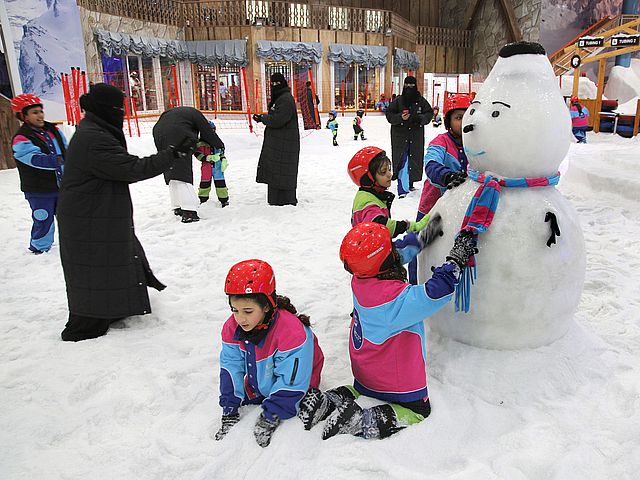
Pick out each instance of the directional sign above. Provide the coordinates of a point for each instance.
(625, 40)
(585, 42)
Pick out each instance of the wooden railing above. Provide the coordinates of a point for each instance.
(444, 37)
(215, 13)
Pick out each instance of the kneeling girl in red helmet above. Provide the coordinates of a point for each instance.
(370, 170)
(387, 340)
(269, 354)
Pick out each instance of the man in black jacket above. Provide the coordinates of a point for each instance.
(105, 268)
(173, 126)
(408, 114)
(278, 164)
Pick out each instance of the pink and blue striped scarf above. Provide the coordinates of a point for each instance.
(479, 216)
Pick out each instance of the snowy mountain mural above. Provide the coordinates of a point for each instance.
(48, 40)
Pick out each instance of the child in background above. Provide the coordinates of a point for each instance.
(332, 124)
(39, 149)
(436, 121)
(357, 125)
(370, 170)
(382, 104)
(270, 356)
(579, 120)
(445, 162)
(387, 339)
(213, 165)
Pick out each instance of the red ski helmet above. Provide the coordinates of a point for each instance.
(367, 250)
(358, 167)
(457, 101)
(574, 99)
(251, 276)
(24, 100)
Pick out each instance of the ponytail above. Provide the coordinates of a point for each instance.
(284, 303)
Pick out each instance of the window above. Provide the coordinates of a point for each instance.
(257, 9)
(339, 18)
(297, 75)
(374, 21)
(170, 77)
(298, 15)
(134, 75)
(361, 87)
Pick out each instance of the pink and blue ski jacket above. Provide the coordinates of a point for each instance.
(443, 155)
(387, 343)
(277, 372)
(579, 119)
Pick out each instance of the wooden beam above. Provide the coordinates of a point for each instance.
(596, 114)
(472, 8)
(613, 53)
(512, 21)
(576, 78)
(636, 122)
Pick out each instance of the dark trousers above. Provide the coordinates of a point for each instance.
(43, 209)
(82, 328)
(278, 196)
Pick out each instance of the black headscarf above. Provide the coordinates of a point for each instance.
(410, 94)
(106, 102)
(278, 86)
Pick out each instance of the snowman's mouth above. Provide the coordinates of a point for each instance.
(474, 153)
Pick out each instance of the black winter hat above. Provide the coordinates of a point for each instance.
(279, 78)
(105, 101)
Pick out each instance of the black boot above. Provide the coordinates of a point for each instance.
(177, 212)
(190, 216)
(355, 137)
(83, 328)
(203, 199)
(335, 142)
(362, 136)
(316, 406)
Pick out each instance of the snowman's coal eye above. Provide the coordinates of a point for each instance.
(472, 111)
(495, 113)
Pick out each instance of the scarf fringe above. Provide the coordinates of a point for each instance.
(463, 288)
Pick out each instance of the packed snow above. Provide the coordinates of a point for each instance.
(141, 402)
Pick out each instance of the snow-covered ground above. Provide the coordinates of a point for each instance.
(141, 402)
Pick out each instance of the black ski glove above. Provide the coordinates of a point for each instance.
(185, 148)
(464, 247)
(264, 429)
(257, 117)
(432, 231)
(453, 179)
(228, 421)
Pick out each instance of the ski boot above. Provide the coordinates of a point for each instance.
(190, 216)
(335, 142)
(355, 137)
(376, 422)
(316, 406)
(362, 136)
(177, 212)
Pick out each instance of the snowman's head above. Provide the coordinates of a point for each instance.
(518, 124)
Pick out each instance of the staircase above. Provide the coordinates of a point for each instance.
(561, 60)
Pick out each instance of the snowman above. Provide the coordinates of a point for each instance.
(529, 271)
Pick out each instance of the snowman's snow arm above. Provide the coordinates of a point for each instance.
(553, 225)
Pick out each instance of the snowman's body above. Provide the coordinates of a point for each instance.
(525, 293)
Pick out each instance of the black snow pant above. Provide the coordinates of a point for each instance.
(278, 196)
(83, 328)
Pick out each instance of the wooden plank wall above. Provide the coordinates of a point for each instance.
(9, 126)
(437, 59)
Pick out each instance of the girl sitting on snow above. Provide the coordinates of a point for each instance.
(213, 165)
(370, 170)
(269, 354)
(387, 337)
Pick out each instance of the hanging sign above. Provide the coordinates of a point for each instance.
(575, 61)
(625, 40)
(585, 42)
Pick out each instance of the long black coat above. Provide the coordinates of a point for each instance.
(172, 127)
(105, 267)
(278, 164)
(410, 131)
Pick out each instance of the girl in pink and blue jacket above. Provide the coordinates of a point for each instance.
(579, 120)
(270, 356)
(387, 338)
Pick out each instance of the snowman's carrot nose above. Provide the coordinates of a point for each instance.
(468, 128)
